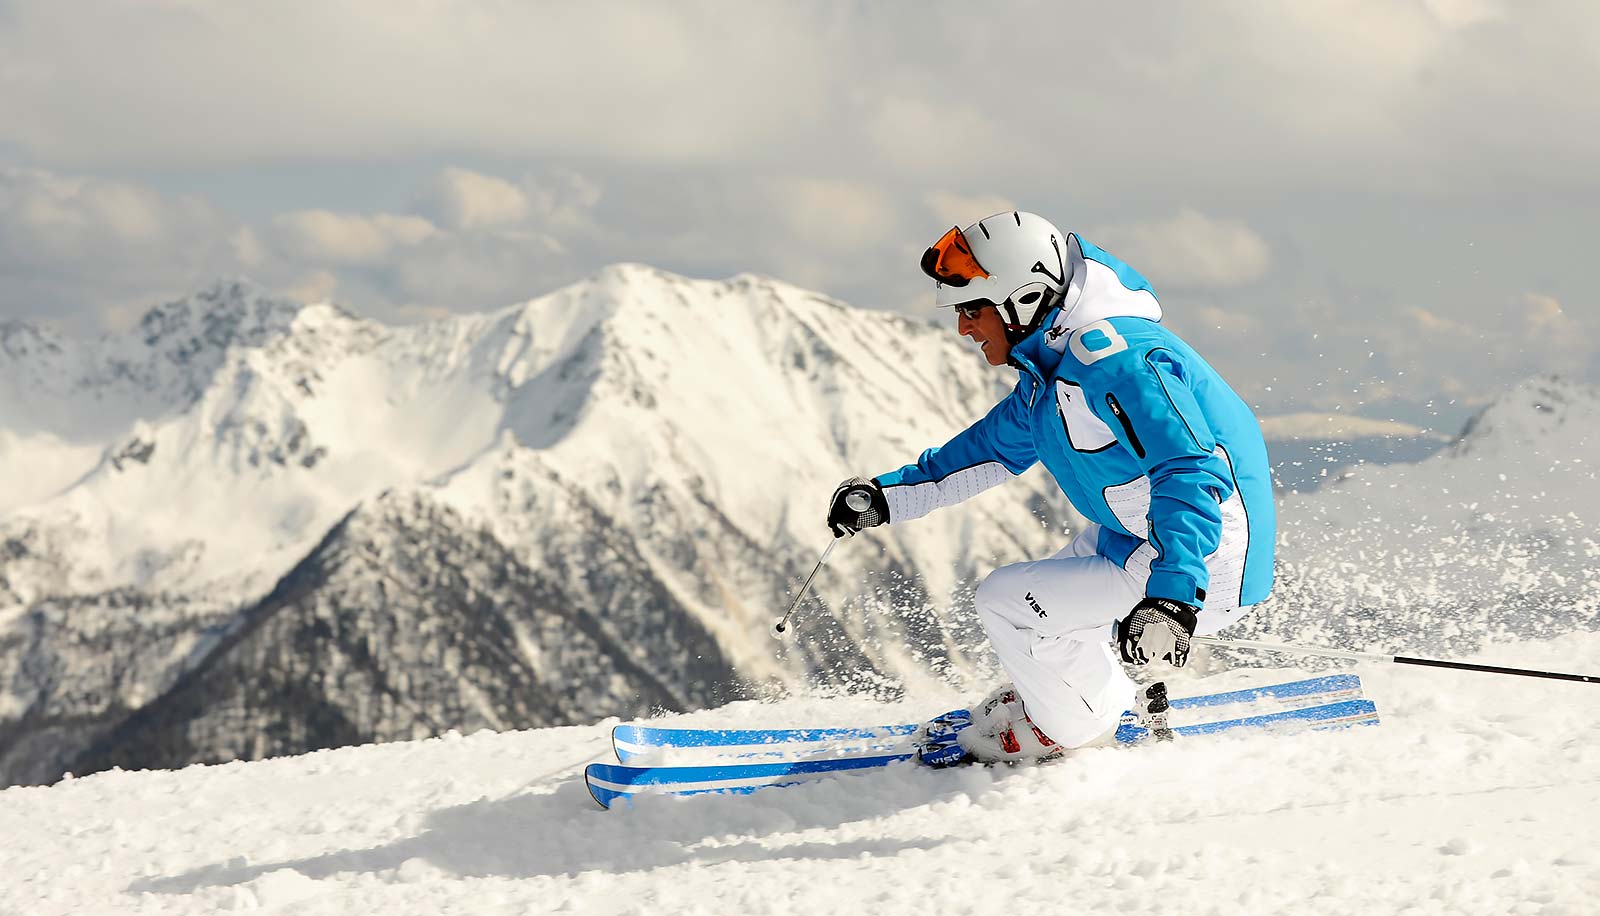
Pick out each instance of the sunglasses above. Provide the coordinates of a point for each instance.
(971, 310)
(951, 261)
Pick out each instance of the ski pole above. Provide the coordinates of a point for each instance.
(783, 622)
(1393, 659)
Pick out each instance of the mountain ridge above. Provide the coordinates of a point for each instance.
(658, 447)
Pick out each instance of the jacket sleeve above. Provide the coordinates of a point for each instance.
(1152, 411)
(986, 454)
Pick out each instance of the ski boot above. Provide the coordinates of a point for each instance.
(997, 730)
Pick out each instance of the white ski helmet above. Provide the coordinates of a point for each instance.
(1015, 261)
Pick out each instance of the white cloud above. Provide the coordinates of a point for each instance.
(831, 215)
(476, 271)
(323, 237)
(94, 254)
(1189, 250)
(317, 286)
(1545, 316)
(817, 232)
(463, 199)
(1553, 336)
(1229, 322)
(1458, 14)
(211, 83)
(59, 216)
(80, 250)
(952, 209)
(936, 137)
(248, 247)
(1434, 327)
(562, 199)
(1246, 95)
(1328, 358)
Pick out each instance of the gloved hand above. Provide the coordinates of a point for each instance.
(857, 504)
(1157, 628)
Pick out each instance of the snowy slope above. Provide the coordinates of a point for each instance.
(1476, 796)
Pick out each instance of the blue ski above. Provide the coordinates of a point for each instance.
(634, 742)
(609, 782)
(1329, 715)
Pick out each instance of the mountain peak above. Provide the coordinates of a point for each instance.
(226, 312)
(20, 339)
(1536, 408)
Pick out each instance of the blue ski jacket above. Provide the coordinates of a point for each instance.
(1141, 433)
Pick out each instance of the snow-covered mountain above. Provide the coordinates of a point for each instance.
(258, 528)
(1495, 537)
(654, 452)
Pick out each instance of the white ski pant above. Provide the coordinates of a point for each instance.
(1050, 623)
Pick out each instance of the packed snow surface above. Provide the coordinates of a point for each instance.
(1477, 794)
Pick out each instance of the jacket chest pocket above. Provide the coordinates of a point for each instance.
(1085, 431)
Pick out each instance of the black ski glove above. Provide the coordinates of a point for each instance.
(857, 504)
(1157, 628)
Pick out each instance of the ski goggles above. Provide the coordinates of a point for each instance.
(951, 261)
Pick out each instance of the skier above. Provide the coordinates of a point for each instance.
(1146, 440)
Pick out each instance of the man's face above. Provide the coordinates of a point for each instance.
(988, 330)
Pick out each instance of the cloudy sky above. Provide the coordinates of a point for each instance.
(1378, 207)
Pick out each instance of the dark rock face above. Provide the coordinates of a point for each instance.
(77, 664)
(404, 623)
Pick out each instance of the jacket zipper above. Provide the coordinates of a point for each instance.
(1024, 365)
(1127, 424)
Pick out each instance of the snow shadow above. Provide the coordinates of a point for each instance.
(563, 832)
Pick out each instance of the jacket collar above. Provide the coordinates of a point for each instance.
(1033, 356)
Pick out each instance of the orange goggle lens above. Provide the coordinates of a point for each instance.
(950, 260)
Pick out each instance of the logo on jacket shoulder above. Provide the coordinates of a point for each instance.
(1034, 603)
(1094, 342)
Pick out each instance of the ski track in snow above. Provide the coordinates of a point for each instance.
(1478, 794)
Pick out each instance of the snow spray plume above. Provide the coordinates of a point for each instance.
(783, 622)
(1394, 659)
